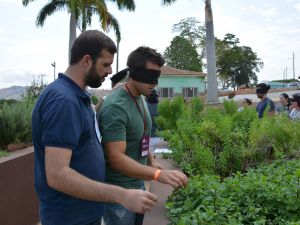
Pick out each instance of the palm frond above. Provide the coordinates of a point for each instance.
(48, 10)
(168, 2)
(113, 22)
(26, 2)
(125, 4)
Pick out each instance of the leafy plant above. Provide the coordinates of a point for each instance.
(267, 195)
(15, 123)
(169, 112)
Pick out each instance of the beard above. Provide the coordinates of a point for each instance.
(93, 79)
(260, 95)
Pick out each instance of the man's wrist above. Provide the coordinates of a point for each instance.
(156, 174)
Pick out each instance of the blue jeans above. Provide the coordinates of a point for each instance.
(118, 215)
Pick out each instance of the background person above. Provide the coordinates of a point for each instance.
(261, 91)
(283, 106)
(295, 107)
(245, 103)
(152, 104)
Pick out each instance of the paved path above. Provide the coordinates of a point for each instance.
(157, 216)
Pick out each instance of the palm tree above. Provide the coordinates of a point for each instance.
(212, 85)
(82, 10)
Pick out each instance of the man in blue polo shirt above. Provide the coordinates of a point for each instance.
(69, 162)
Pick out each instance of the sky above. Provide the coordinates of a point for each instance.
(270, 27)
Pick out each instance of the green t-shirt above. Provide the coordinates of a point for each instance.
(120, 120)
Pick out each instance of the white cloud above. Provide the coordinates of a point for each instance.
(297, 6)
(10, 1)
(269, 12)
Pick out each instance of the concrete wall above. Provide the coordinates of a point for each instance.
(179, 82)
(18, 201)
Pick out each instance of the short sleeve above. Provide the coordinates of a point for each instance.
(272, 106)
(61, 124)
(113, 120)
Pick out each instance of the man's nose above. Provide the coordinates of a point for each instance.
(109, 70)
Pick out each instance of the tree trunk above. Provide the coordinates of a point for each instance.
(118, 49)
(212, 85)
(73, 24)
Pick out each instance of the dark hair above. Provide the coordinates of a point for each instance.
(296, 97)
(248, 101)
(91, 42)
(285, 95)
(153, 97)
(262, 88)
(139, 57)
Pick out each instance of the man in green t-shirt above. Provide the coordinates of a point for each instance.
(125, 125)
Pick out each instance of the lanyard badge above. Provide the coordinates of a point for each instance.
(145, 140)
(145, 145)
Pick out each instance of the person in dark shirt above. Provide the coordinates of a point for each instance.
(261, 91)
(152, 104)
(69, 161)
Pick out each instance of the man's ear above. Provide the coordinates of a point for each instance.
(87, 61)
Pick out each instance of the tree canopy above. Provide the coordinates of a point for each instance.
(236, 65)
(181, 54)
(194, 31)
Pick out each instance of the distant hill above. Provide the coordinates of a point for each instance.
(13, 92)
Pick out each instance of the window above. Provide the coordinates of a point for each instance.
(165, 92)
(189, 92)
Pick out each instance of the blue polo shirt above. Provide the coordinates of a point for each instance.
(63, 117)
(261, 107)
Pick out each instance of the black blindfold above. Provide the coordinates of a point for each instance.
(147, 76)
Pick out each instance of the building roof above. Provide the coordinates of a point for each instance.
(165, 71)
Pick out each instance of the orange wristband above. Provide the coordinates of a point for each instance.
(156, 174)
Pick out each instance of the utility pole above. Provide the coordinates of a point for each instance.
(283, 78)
(54, 65)
(294, 68)
(286, 76)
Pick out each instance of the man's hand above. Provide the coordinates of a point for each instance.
(139, 201)
(174, 178)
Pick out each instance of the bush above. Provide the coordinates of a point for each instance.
(230, 107)
(169, 111)
(231, 141)
(267, 195)
(95, 100)
(15, 123)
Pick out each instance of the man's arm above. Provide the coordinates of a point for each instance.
(64, 179)
(119, 161)
(152, 162)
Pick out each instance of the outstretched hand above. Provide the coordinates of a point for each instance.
(139, 201)
(174, 178)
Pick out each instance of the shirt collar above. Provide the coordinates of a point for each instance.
(83, 94)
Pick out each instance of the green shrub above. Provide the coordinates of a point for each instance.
(169, 111)
(95, 100)
(196, 108)
(267, 195)
(3, 153)
(8, 101)
(230, 107)
(15, 123)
